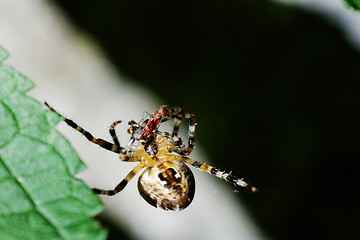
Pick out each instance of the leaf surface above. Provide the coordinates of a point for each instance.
(39, 198)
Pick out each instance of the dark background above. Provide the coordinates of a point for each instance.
(275, 90)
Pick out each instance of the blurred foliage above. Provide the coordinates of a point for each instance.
(353, 4)
(275, 90)
(39, 197)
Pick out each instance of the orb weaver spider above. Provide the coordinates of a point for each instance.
(167, 182)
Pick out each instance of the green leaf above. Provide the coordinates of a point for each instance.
(39, 197)
(353, 4)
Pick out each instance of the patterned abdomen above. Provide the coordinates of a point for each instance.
(168, 185)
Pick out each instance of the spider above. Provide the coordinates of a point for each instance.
(167, 182)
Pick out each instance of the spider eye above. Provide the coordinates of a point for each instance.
(169, 186)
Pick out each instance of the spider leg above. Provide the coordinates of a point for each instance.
(113, 133)
(101, 142)
(176, 126)
(179, 115)
(220, 174)
(122, 184)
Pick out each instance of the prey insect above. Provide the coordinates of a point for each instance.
(166, 182)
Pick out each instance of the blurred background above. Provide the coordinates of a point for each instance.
(274, 86)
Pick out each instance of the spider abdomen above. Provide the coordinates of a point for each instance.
(168, 185)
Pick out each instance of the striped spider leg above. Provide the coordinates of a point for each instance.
(220, 174)
(178, 114)
(116, 148)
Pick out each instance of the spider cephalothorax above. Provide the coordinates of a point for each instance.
(166, 182)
